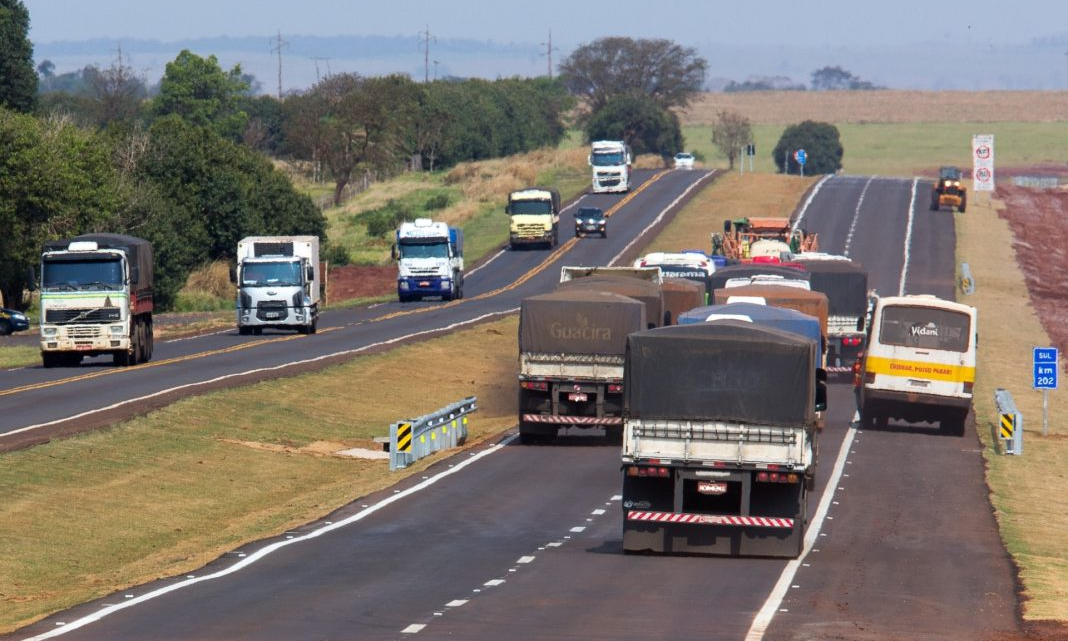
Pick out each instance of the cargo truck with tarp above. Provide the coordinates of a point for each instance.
(680, 296)
(719, 435)
(845, 283)
(96, 298)
(644, 284)
(749, 270)
(803, 300)
(571, 345)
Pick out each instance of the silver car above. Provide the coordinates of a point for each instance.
(683, 160)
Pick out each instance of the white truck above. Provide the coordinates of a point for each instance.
(719, 439)
(430, 260)
(610, 160)
(278, 283)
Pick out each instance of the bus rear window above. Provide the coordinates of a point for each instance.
(925, 328)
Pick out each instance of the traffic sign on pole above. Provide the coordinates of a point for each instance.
(1045, 368)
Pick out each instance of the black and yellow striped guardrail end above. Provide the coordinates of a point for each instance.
(404, 437)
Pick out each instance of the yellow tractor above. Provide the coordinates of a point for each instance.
(949, 191)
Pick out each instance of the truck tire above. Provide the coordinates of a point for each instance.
(257, 331)
(51, 359)
(934, 202)
(244, 331)
(314, 327)
(963, 202)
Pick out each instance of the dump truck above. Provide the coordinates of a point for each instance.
(642, 284)
(745, 239)
(845, 283)
(96, 298)
(949, 191)
(535, 217)
(278, 283)
(430, 260)
(719, 439)
(610, 161)
(571, 345)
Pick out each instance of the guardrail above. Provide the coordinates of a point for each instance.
(412, 439)
(967, 283)
(1009, 427)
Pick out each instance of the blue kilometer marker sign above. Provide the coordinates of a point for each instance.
(1045, 367)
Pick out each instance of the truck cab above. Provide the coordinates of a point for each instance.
(277, 279)
(611, 164)
(430, 260)
(535, 217)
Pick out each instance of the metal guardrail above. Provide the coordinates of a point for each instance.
(967, 283)
(1009, 425)
(1037, 182)
(412, 439)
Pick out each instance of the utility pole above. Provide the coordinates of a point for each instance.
(317, 59)
(280, 44)
(549, 48)
(425, 37)
(436, 69)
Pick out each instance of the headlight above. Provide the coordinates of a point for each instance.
(49, 331)
(403, 284)
(117, 330)
(18, 315)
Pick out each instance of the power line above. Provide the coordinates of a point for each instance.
(280, 44)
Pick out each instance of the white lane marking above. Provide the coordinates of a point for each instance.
(554, 544)
(274, 547)
(274, 368)
(495, 257)
(414, 628)
(189, 338)
(493, 583)
(658, 218)
(617, 497)
(597, 512)
(767, 612)
(455, 603)
(525, 559)
(908, 239)
(856, 217)
(579, 528)
(808, 201)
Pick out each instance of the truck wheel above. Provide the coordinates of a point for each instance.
(122, 359)
(314, 327)
(51, 359)
(244, 331)
(150, 338)
(604, 234)
(963, 203)
(258, 331)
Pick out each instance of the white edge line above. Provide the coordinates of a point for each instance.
(475, 270)
(659, 217)
(908, 239)
(811, 197)
(263, 552)
(771, 606)
(259, 370)
(856, 217)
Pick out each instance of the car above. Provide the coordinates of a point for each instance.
(684, 160)
(590, 220)
(12, 321)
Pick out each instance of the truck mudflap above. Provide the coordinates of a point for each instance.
(573, 420)
(710, 519)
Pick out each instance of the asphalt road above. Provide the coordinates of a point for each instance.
(524, 542)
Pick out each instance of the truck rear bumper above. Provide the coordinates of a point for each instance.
(572, 420)
(674, 533)
(916, 400)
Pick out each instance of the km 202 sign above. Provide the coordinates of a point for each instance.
(1045, 368)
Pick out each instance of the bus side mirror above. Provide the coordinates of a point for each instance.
(31, 280)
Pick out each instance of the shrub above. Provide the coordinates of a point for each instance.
(821, 143)
(437, 201)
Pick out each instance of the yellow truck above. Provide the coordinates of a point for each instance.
(535, 214)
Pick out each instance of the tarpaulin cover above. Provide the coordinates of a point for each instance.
(138, 253)
(681, 295)
(843, 281)
(723, 371)
(639, 289)
(789, 320)
(578, 322)
(747, 270)
(803, 300)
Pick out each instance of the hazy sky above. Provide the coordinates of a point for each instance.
(845, 23)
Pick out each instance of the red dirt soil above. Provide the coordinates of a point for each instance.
(360, 281)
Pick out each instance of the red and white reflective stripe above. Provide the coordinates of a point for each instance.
(573, 420)
(709, 519)
(836, 368)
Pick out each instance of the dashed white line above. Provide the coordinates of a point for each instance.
(493, 583)
(617, 497)
(414, 628)
(455, 603)
(597, 512)
(554, 544)
(856, 217)
(525, 559)
(579, 528)
(908, 239)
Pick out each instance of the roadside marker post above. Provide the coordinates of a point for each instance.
(1045, 368)
(1010, 423)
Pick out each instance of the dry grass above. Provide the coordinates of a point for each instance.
(207, 474)
(731, 196)
(212, 279)
(1029, 492)
(841, 107)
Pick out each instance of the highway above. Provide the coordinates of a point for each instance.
(524, 542)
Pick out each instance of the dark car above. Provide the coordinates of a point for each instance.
(590, 220)
(12, 321)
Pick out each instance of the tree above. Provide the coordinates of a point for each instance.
(838, 79)
(821, 143)
(18, 79)
(640, 122)
(117, 93)
(659, 70)
(200, 92)
(730, 133)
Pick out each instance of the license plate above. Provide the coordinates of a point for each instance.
(272, 314)
(711, 487)
(424, 283)
(83, 347)
(919, 383)
(577, 396)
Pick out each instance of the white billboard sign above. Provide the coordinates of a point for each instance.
(983, 162)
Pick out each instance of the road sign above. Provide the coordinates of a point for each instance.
(983, 162)
(800, 156)
(1045, 368)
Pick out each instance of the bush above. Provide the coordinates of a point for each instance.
(438, 201)
(644, 125)
(380, 222)
(336, 255)
(821, 143)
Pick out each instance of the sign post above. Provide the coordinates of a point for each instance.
(800, 156)
(1045, 369)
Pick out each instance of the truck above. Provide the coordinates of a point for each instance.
(845, 283)
(278, 283)
(535, 217)
(746, 239)
(571, 346)
(430, 260)
(610, 161)
(96, 298)
(690, 265)
(719, 439)
(747, 270)
(803, 300)
(644, 284)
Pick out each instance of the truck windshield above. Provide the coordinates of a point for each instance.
(925, 328)
(82, 274)
(270, 274)
(611, 159)
(424, 250)
(531, 207)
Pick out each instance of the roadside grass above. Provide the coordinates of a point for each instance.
(12, 356)
(166, 493)
(1029, 492)
(730, 196)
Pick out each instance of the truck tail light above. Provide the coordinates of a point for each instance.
(615, 388)
(968, 387)
(541, 386)
(648, 471)
(777, 477)
(852, 341)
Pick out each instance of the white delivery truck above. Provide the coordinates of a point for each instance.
(610, 160)
(278, 283)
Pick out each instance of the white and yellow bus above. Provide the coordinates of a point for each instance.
(919, 363)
